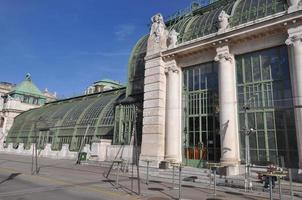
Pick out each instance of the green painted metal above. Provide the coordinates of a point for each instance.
(136, 68)
(124, 123)
(263, 83)
(201, 118)
(27, 91)
(66, 120)
(249, 10)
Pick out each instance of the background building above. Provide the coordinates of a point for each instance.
(16, 99)
(197, 84)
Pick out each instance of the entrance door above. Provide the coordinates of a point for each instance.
(201, 115)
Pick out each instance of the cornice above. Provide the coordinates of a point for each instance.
(274, 22)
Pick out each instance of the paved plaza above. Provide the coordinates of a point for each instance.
(62, 179)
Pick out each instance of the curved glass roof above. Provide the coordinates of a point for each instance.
(249, 10)
(69, 117)
(200, 22)
(136, 68)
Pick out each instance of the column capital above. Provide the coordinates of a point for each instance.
(172, 69)
(223, 54)
(294, 40)
(171, 66)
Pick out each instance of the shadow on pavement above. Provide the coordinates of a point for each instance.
(10, 177)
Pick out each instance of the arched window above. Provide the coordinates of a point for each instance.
(1, 122)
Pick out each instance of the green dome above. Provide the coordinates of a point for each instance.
(27, 87)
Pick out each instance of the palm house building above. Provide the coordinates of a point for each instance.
(198, 84)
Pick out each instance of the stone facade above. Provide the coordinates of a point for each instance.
(163, 127)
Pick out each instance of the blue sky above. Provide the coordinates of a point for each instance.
(68, 44)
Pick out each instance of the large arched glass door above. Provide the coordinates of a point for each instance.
(201, 141)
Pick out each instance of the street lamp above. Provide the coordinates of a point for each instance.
(248, 132)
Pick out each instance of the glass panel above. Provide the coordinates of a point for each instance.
(202, 99)
(269, 120)
(266, 89)
(260, 121)
(256, 68)
(248, 70)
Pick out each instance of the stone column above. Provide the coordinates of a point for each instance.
(295, 48)
(227, 108)
(173, 113)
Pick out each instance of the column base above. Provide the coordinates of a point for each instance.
(172, 159)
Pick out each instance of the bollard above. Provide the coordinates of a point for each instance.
(210, 176)
(147, 179)
(132, 177)
(280, 190)
(173, 177)
(117, 175)
(214, 181)
(270, 187)
(179, 190)
(290, 183)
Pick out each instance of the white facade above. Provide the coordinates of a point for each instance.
(162, 124)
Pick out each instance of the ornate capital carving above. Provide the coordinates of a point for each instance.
(294, 39)
(171, 69)
(224, 56)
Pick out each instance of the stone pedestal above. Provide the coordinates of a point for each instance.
(99, 149)
(118, 151)
(20, 149)
(173, 113)
(295, 48)
(227, 108)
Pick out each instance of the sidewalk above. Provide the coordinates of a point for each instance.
(65, 171)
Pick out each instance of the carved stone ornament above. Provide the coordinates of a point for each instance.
(294, 2)
(172, 39)
(223, 20)
(158, 28)
(292, 40)
(294, 5)
(224, 56)
(172, 68)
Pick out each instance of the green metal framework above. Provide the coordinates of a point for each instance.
(263, 84)
(136, 68)
(202, 21)
(201, 117)
(67, 121)
(124, 122)
(249, 10)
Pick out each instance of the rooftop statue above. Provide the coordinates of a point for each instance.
(158, 34)
(223, 19)
(158, 27)
(172, 39)
(294, 5)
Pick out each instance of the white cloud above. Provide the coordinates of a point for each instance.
(124, 30)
